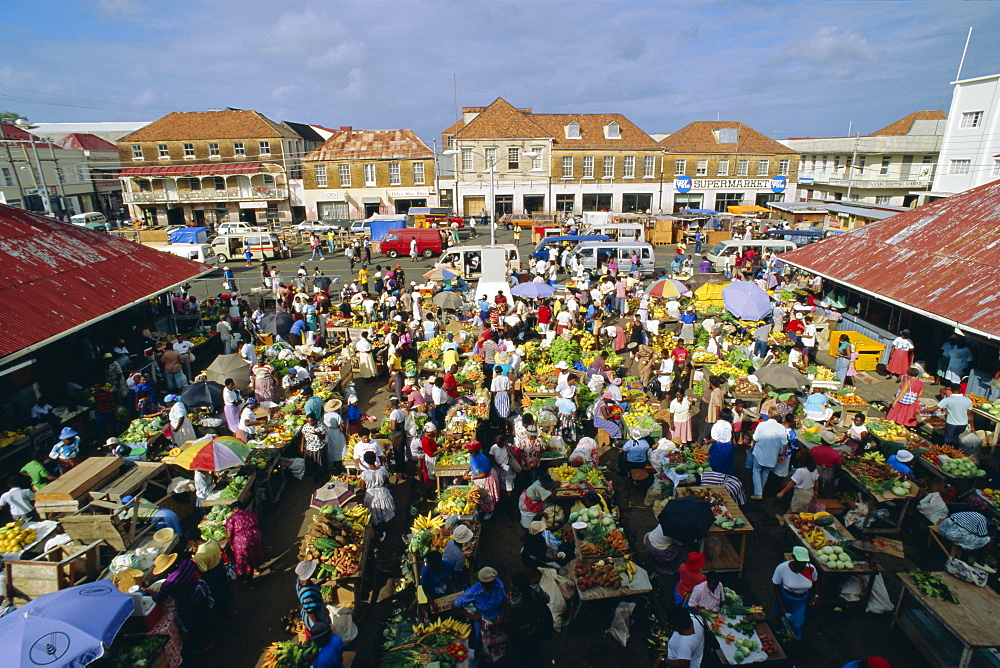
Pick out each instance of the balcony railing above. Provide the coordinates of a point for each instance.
(227, 195)
(840, 178)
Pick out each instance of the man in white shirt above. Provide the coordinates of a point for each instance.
(770, 447)
(366, 444)
(673, 309)
(687, 644)
(248, 353)
(183, 348)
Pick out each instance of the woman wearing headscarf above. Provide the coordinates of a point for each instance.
(248, 421)
(232, 402)
(607, 415)
(971, 531)
(429, 447)
(500, 388)
(378, 498)
(366, 360)
(485, 477)
(354, 415)
(181, 429)
(262, 381)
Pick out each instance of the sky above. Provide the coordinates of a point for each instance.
(788, 69)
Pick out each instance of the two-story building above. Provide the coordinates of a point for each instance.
(357, 173)
(718, 164)
(101, 157)
(549, 162)
(888, 166)
(209, 167)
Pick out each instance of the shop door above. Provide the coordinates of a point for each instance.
(474, 205)
(372, 208)
(534, 203)
(175, 216)
(199, 217)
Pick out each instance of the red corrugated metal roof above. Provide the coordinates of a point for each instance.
(941, 259)
(192, 170)
(57, 276)
(84, 141)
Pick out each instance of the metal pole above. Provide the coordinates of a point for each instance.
(17, 177)
(850, 172)
(493, 207)
(59, 181)
(965, 50)
(41, 175)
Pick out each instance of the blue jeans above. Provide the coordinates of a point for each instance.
(759, 348)
(176, 380)
(317, 249)
(760, 474)
(697, 248)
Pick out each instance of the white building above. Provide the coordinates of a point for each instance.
(970, 151)
(888, 166)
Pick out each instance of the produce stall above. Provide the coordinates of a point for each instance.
(13, 442)
(144, 435)
(340, 538)
(989, 411)
(743, 634)
(730, 523)
(961, 629)
(831, 547)
(883, 484)
(444, 642)
(952, 466)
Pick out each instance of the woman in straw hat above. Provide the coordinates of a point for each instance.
(180, 581)
(336, 430)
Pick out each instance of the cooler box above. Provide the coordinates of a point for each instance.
(869, 351)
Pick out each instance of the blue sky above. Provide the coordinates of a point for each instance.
(788, 69)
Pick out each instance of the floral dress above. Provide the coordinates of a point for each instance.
(246, 542)
(378, 498)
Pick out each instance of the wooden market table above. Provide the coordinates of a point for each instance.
(882, 498)
(731, 557)
(965, 485)
(66, 493)
(836, 531)
(951, 634)
(978, 412)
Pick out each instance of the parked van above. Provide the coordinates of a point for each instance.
(736, 247)
(595, 254)
(470, 258)
(197, 252)
(619, 231)
(798, 237)
(430, 242)
(92, 221)
(548, 243)
(263, 246)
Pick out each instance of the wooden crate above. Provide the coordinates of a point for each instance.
(62, 567)
(67, 493)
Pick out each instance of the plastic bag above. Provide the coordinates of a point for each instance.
(342, 623)
(557, 604)
(967, 572)
(853, 589)
(295, 465)
(933, 508)
(817, 506)
(619, 629)
(879, 602)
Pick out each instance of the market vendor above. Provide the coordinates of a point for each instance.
(67, 451)
(607, 415)
(437, 577)
(192, 600)
(181, 429)
(665, 553)
(900, 462)
(429, 447)
(249, 421)
(378, 498)
(793, 581)
(207, 556)
(687, 325)
(484, 476)
(816, 406)
(161, 518)
(453, 550)
(534, 499)
(540, 549)
(972, 532)
(721, 452)
(354, 415)
(906, 402)
(634, 454)
(313, 609)
(585, 452)
(566, 411)
(856, 438)
(707, 594)
(690, 576)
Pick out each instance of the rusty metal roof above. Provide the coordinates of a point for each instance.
(940, 259)
(191, 170)
(58, 277)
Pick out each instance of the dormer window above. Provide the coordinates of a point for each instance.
(727, 135)
(573, 130)
(612, 131)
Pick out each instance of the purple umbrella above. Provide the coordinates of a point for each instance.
(745, 300)
(533, 290)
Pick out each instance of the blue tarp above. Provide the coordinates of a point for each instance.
(707, 212)
(189, 235)
(382, 227)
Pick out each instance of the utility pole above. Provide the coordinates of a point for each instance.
(854, 160)
(41, 175)
(17, 177)
(437, 186)
(59, 180)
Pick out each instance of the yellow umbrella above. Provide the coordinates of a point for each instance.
(711, 293)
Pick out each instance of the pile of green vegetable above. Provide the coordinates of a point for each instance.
(933, 585)
(234, 488)
(562, 350)
(214, 523)
(129, 651)
(141, 430)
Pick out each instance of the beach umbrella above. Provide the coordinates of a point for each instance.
(322, 282)
(747, 301)
(668, 288)
(440, 274)
(230, 366)
(687, 519)
(533, 290)
(333, 493)
(448, 299)
(212, 453)
(69, 627)
(206, 393)
(779, 376)
(277, 323)
(711, 292)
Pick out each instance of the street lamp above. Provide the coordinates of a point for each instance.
(492, 165)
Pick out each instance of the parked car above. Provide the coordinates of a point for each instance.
(316, 226)
(430, 242)
(92, 221)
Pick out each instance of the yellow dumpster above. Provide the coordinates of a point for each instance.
(869, 351)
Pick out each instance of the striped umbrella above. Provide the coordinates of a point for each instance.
(212, 453)
(440, 274)
(668, 288)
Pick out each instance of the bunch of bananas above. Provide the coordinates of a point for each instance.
(447, 626)
(628, 568)
(359, 516)
(427, 522)
(876, 457)
(825, 374)
(703, 357)
(816, 538)
(9, 437)
(13, 537)
(588, 341)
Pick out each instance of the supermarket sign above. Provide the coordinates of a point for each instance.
(685, 184)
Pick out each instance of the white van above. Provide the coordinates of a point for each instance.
(238, 228)
(197, 252)
(92, 220)
(619, 231)
(734, 247)
(470, 259)
(596, 254)
(263, 246)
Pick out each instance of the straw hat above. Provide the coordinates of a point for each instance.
(487, 574)
(305, 569)
(333, 405)
(536, 527)
(462, 534)
(126, 579)
(163, 562)
(904, 456)
(163, 537)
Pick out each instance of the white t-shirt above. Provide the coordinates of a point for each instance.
(722, 431)
(794, 357)
(20, 500)
(231, 397)
(183, 347)
(688, 647)
(804, 478)
(248, 353)
(796, 583)
(501, 456)
(809, 335)
(361, 448)
(247, 415)
(564, 318)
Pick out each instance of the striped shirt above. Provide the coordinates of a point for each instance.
(182, 586)
(311, 600)
(732, 484)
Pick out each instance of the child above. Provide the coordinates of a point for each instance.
(805, 482)
(19, 497)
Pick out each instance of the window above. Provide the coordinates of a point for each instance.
(613, 131)
(783, 166)
(567, 167)
(649, 167)
(265, 147)
(370, 174)
(725, 200)
(513, 157)
(742, 167)
(451, 143)
(81, 173)
(220, 183)
(680, 166)
(136, 152)
(272, 213)
(503, 204)
(418, 173)
(995, 172)
(194, 184)
(883, 199)
(763, 167)
(162, 151)
(824, 163)
(637, 202)
(573, 130)
(320, 176)
(960, 166)
(972, 119)
(597, 202)
(723, 168)
(238, 149)
(536, 162)
(395, 178)
(345, 175)
(886, 159)
(188, 150)
(491, 159)
(836, 162)
(861, 163)
(8, 176)
(728, 135)
(466, 159)
(702, 168)
(608, 171)
(628, 167)
(588, 166)
(60, 175)
(213, 149)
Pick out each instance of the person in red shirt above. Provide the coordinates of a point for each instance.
(690, 576)
(795, 327)
(680, 355)
(544, 316)
(450, 384)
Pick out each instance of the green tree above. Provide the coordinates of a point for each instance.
(10, 116)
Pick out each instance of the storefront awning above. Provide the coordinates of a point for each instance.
(371, 200)
(190, 170)
(744, 209)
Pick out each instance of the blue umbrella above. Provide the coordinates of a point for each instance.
(745, 300)
(70, 627)
(533, 290)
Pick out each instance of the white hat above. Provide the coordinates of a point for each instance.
(536, 527)
(413, 282)
(352, 399)
(904, 456)
(562, 365)
(636, 433)
(225, 268)
(430, 426)
(462, 534)
(305, 569)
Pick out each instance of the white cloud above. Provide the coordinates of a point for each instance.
(355, 88)
(280, 92)
(345, 53)
(119, 8)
